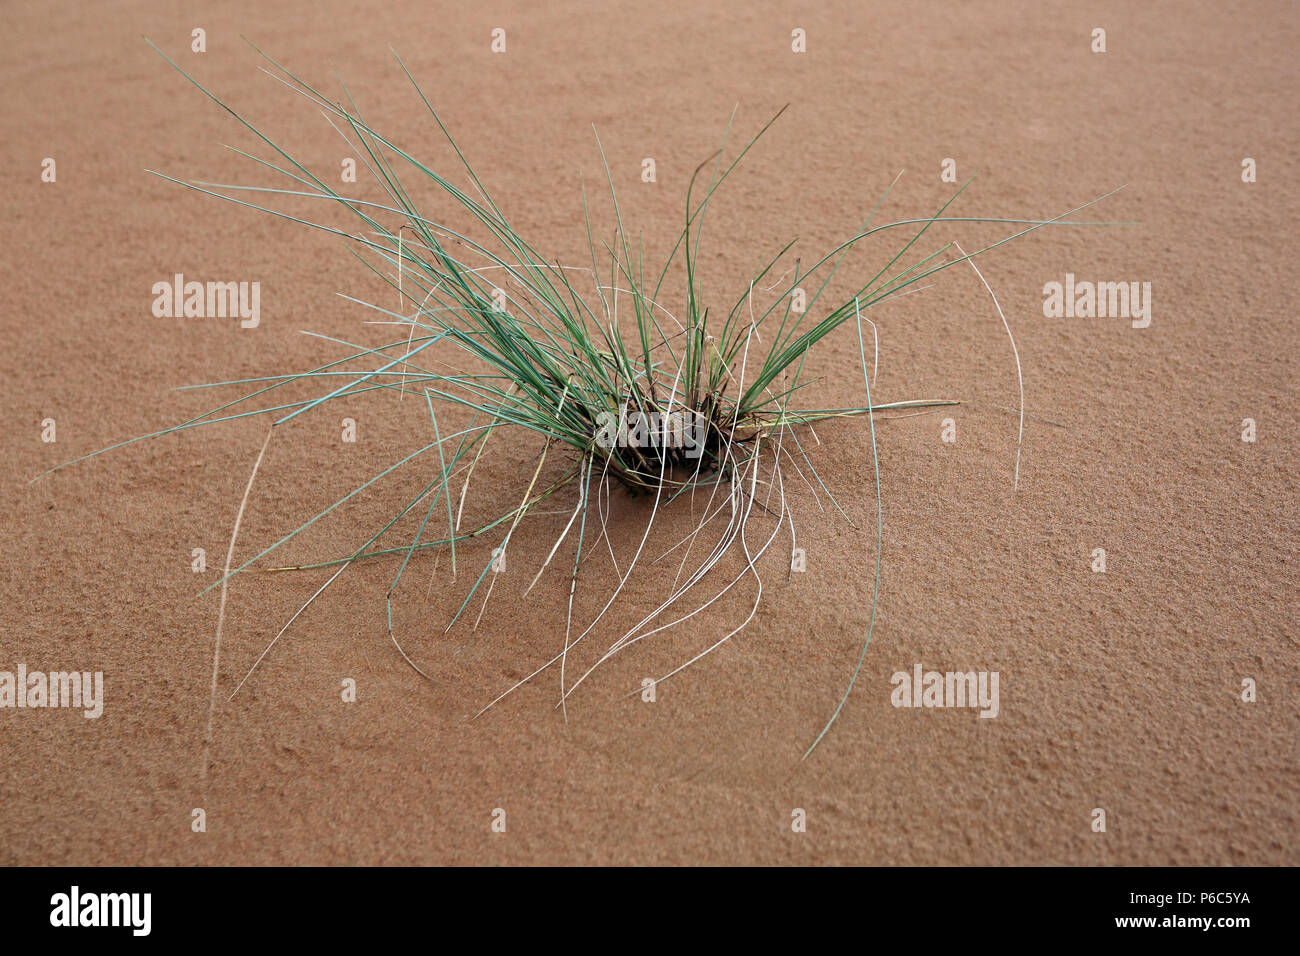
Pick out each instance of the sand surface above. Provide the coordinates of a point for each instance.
(1119, 690)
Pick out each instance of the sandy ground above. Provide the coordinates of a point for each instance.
(1120, 691)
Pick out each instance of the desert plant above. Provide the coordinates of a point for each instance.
(548, 352)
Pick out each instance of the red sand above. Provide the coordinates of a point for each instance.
(1119, 691)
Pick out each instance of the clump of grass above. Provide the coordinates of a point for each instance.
(560, 357)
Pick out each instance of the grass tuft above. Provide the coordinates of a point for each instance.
(552, 355)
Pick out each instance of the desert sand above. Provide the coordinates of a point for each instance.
(1120, 691)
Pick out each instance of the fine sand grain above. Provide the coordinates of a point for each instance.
(1120, 691)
